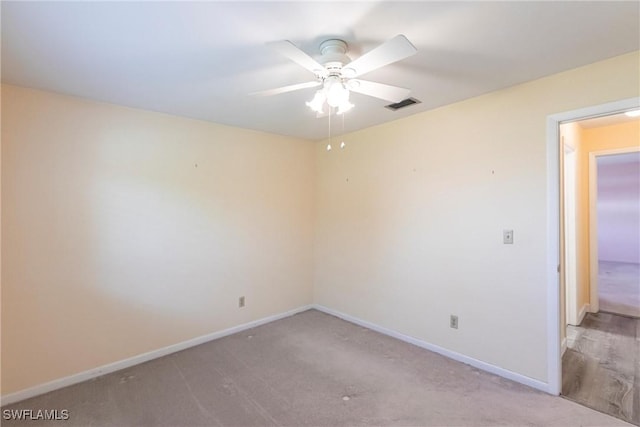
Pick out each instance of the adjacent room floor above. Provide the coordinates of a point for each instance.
(619, 288)
(601, 367)
(309, 369)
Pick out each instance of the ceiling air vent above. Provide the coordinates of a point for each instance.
(402, 104)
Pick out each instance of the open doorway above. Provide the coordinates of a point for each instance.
(556, 316)
(617, 208)
(600, 211)
(600, 229)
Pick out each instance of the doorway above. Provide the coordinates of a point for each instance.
(617, 211)
(556, 312)
(600, 210)
(600, 186)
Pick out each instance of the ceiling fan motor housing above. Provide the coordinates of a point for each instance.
(334, 56)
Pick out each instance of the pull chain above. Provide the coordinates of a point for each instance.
(342, 144)
(329, 145)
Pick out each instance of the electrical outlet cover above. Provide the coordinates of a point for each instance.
(453, 322)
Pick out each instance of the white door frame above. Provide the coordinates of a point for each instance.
(594, 269)
(554, 365)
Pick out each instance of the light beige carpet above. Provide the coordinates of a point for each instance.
(310, 369)
(619, 288)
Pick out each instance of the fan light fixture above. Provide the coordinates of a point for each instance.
(336, 74)
(334, 93)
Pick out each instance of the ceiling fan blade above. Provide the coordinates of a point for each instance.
(379, 90)
(393, 50)
(285, 89)
(291, 51)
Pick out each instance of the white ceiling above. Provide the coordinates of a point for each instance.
(619, 159)
(201, 59)
(609, 120)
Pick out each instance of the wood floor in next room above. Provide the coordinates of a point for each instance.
(601, 366)
(311, 369)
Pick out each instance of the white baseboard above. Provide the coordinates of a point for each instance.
(141, 358)
(145, 357)
(583, 312)
(519, 378)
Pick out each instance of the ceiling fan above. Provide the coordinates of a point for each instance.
(336, 73)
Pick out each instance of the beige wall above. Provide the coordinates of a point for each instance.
(115, 243)
(410, 218)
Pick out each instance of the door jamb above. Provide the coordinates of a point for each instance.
(570, 246)
(554, 365)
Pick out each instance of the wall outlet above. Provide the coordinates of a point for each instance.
(241, 302)
(507, 237)
(453, 322)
